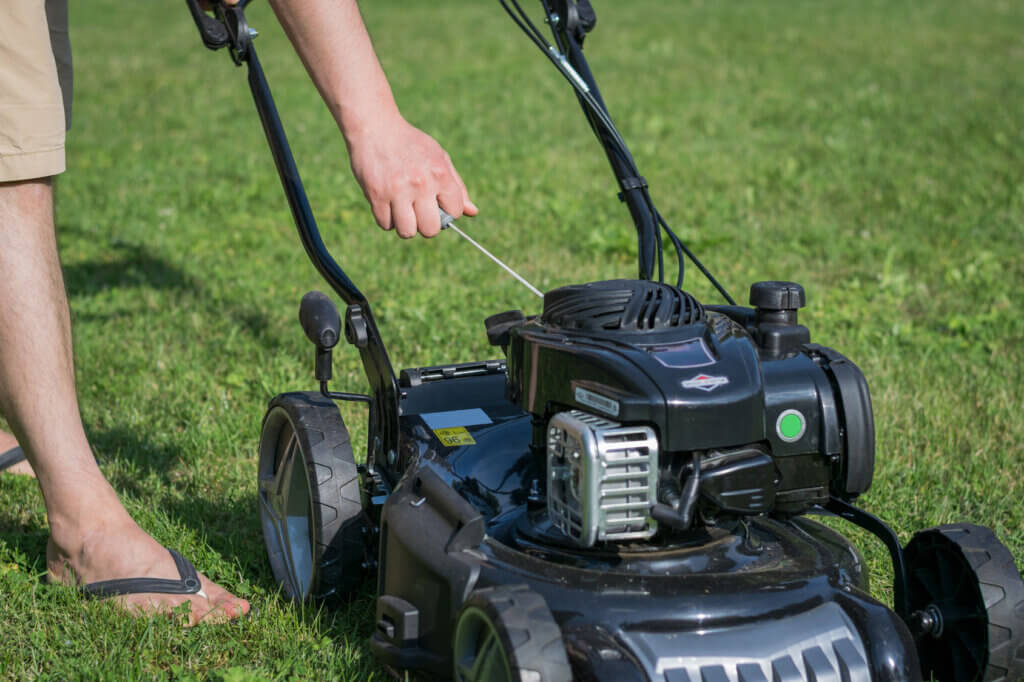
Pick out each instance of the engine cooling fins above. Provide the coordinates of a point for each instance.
(620, 305)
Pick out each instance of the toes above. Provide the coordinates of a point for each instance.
(223, 606)
(221, 611)
(212, 605)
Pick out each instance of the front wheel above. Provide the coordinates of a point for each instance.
(507, 634)
(309, 498)
(967, 601)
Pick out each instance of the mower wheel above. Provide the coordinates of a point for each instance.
(507, 634)
(309, 495)
(967, 605)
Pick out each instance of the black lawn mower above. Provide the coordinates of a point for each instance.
(626, 494)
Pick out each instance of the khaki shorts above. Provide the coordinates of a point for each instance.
(35, 88)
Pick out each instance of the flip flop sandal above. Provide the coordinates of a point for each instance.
(187, 584)
(11, 457)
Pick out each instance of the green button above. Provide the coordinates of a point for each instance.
(790, 426)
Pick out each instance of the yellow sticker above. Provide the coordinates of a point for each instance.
(454, 437)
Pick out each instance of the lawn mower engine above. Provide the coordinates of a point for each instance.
(655, 414)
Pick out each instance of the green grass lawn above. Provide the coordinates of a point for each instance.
(873, 151)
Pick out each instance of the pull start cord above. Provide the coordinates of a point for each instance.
(448, 221)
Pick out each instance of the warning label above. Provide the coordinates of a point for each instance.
(454, 437)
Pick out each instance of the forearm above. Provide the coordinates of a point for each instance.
(332, 41)
(404, 173)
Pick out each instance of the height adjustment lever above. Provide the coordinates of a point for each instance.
(319, 319)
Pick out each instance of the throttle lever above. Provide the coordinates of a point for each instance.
(212, 32)
(228, 28)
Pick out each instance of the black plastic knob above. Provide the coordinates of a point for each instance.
(777, 296)
(319, 319)
(775, 323)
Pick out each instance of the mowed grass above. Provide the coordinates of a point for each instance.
(872, 151)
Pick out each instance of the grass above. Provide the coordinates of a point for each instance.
(873, 151)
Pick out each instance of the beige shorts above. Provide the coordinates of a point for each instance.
(35, 88)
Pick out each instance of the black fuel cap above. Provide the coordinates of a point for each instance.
(777, 296)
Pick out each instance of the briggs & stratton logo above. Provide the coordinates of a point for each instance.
(705, 382)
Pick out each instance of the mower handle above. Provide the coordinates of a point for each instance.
(232, 31)
(575, 19)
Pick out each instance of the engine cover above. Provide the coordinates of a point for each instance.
(745, 415)
(640, 352)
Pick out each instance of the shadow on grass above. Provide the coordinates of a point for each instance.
(228, 526)
(132, 266)
(23, 530)
(137, 266)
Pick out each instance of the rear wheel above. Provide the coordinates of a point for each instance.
(967, 598)
(507, 634)
(309, 494)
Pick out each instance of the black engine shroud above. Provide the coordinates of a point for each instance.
(778, 423)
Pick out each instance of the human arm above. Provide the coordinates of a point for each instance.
(404, 173)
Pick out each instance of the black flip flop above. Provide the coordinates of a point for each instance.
(187, 584)
(11, 457)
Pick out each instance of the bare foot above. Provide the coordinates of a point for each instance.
(7, 441)
(117, 548)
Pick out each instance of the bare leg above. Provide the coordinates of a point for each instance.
(92, 537)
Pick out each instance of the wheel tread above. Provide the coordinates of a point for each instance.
(1002, 591)
(337, 499)
(532, 638)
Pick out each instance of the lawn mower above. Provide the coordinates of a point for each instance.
(624, 494)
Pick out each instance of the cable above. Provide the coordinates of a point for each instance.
(598, 116)
(699, 265)
(602, 125)
(571, 76)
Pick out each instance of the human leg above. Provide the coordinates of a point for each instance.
(92, 537)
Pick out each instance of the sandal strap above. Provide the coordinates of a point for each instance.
(187, 584)
(11, 457)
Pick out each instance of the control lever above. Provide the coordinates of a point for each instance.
(320, 320)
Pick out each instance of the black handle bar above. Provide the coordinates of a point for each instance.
(232, 31)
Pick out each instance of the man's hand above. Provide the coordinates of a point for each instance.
(404, 173)
(406, 176)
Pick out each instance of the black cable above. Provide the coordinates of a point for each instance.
(679, 256)
(661, 255)
(676, 243)
(660, 243)
(600, 122)
(617, 145)
(539, 40)
(591, 102)
(699, 265)
(529, 22)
